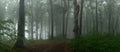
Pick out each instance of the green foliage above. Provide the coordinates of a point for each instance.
(4, 48)
(6, 34)
(96, 43)
(7, 28)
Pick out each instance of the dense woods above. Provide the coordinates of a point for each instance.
(89, 24)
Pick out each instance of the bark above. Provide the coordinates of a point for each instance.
(41, 30)
(21, 27)
(76, 13)
(52, 20)
(64, 16)
(110, 16)
(36, 26)
(81, 16)
(66, 25)
(31, 21)
(96, 17)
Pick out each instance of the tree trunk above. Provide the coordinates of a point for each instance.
(76, 13)
(96, 17)
(32, 21)
(52, 21)
(67, 16)
(21, 27)
(81, 17)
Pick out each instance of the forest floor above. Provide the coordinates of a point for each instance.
(47, 46)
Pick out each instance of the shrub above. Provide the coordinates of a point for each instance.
(96, 43)
(6, 34)
(7, 28)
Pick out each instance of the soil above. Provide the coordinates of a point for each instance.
(48, 47)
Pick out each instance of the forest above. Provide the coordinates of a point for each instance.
(59, 26)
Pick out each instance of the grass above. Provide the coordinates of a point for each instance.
(96, 43)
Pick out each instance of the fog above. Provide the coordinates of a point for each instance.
(44, 18)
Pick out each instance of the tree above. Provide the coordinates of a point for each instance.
(52, 21)
(67, 17)
(96, 16)
(32, 20)
(81, 17)
(21, 26)
(76, 13)
(78, 28)
(65, 10)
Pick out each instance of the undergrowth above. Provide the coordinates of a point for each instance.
(96, 43)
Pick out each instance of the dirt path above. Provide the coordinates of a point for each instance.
(50, 47)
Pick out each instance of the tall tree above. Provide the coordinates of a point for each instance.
(52, 20)
(96, 16)
(32, 19)
(110, 10)
(76, 14)
(67, 17)
(21, 26)
(63, 24)
(81, 17)
(65, 10)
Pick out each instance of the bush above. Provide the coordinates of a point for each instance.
(7, 29)
(96, 43)
(6, 34)
(4, 48)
